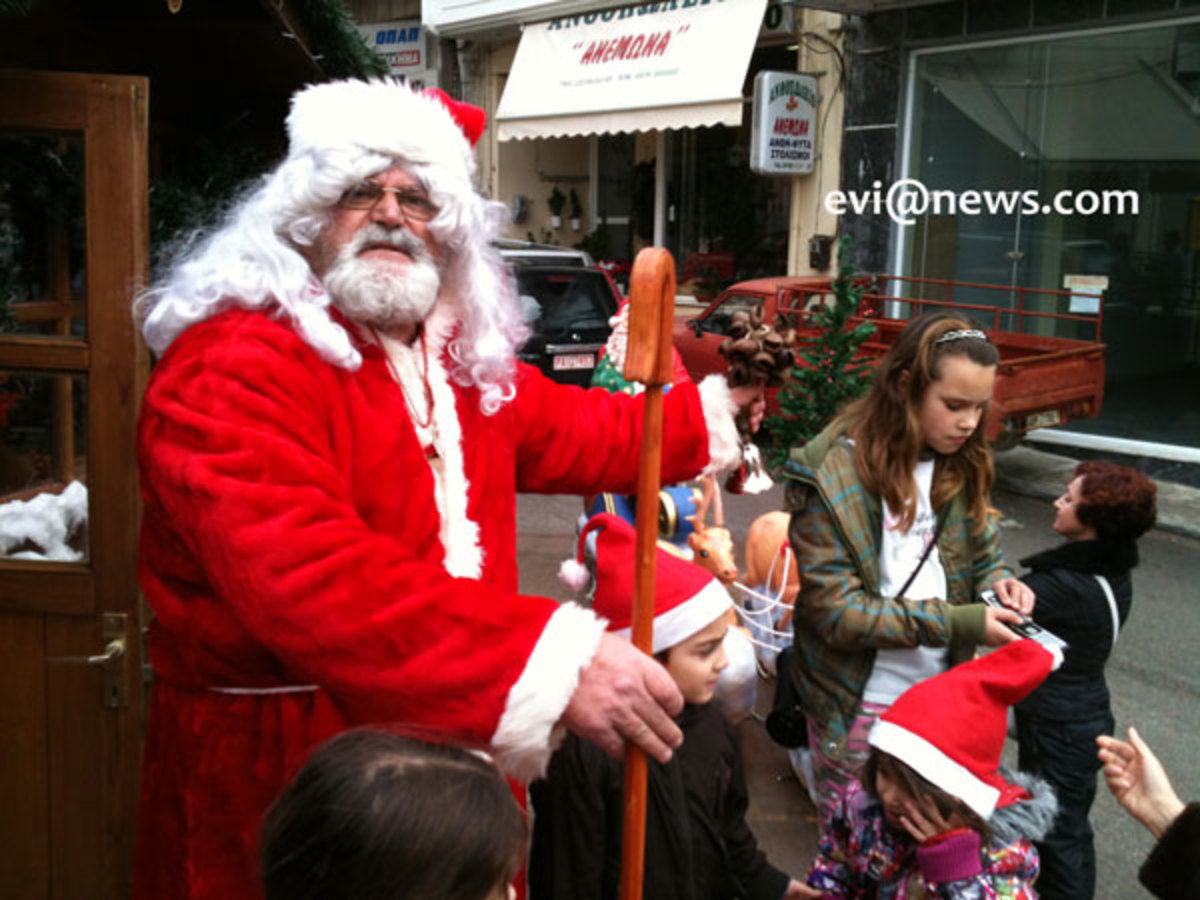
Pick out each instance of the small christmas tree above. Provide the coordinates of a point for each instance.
(829, 372)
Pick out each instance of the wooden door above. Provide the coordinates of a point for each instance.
(73, 238)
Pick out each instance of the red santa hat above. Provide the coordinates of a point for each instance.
(950, 729)
(686, 597)
(385, 117)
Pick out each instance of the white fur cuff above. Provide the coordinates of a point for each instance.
(724, 445)
(526, 735)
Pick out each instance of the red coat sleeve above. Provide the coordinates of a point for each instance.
(572, 440)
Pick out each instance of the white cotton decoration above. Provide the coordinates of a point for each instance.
(46, 521)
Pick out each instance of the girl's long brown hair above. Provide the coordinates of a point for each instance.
(885, 423)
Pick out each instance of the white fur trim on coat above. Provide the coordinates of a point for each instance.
(526, 735)
(459, 534)
(724, 445)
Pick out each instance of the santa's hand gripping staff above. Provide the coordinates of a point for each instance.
(330, 450)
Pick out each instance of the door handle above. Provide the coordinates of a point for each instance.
(112, 660)
(113, 650)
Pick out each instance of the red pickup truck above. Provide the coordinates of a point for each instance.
(1042, 380)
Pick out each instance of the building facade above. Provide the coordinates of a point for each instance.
(650, 161)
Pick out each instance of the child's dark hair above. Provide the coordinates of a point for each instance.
(1117, 501)
(885, 422)
(375, 816)
(918, 786)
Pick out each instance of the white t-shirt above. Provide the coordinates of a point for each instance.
(897, 670)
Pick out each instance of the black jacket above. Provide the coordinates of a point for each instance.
(1071, 604)
(698, 846)
(1171, 870)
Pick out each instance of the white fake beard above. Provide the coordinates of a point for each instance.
(369, 293)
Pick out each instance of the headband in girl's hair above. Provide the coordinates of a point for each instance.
(960, 334)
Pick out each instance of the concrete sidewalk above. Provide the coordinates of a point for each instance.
(1035, 473)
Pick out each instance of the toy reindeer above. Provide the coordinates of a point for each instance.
(712, 545)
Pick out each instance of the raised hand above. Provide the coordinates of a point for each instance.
(1139, 782)
(923, 820)
(751, 400)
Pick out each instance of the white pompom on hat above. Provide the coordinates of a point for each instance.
(950, 729)
(686, 597)
(385, 117)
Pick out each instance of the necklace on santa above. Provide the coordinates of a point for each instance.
(422, 424)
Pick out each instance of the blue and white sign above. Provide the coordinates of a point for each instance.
(402, 44)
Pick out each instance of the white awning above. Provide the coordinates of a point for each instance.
(640, 67)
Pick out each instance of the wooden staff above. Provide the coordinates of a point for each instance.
(648, 360)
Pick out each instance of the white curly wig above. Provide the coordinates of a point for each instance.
(339, 133)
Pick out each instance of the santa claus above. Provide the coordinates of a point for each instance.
(330, 448)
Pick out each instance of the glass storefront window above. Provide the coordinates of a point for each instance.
(42, 275)
(620, 203)
(43, 466)
(1111, 111)
(43, 289)
(724, 223)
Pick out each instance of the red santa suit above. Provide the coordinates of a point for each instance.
(309, 569)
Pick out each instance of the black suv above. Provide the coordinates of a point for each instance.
(567, 304)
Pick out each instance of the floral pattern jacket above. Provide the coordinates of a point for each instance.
(865, 857)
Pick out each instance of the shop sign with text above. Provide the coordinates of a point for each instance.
(402, 44)
(783, 131)
(637, 56)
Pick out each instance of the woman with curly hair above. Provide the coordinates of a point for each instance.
(1084, 592)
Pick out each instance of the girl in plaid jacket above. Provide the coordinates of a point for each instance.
(892, 526)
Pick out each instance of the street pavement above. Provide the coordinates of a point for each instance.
(1153, 677)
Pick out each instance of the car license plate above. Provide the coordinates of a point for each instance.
(1043, 419)
(574, 361)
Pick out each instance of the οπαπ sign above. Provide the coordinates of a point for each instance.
(401, 43)
(783, 131)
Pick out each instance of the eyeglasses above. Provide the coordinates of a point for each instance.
(415, 204)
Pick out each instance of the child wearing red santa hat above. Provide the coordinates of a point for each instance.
(697, 842)
(936, 815)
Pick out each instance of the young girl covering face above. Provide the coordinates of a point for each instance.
(904, 470)
(936, 816)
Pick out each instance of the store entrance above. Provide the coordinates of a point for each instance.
(722, 222)
(1082, 118)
